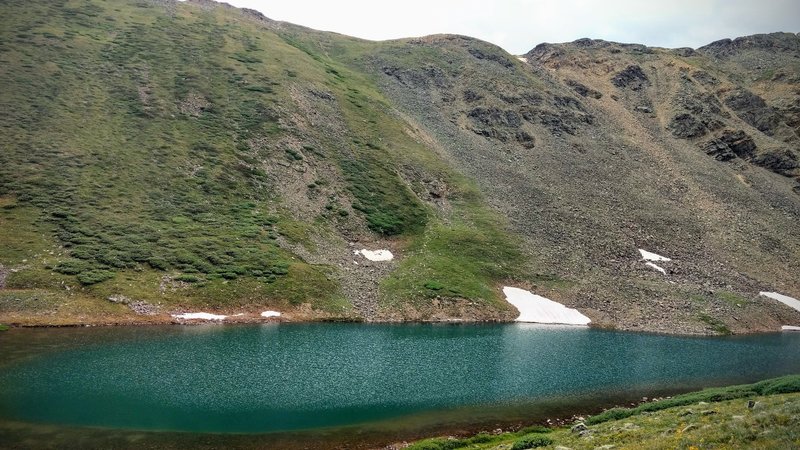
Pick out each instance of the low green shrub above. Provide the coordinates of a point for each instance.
(434, 286)
(532, 441)
(70, 267)
(187, 278)
(611, 414)
(257, 88)
(716, 324)
(480, 438)
(782, 385)
(158, 263)
(534, 429)
(294, 155)
(94, 276)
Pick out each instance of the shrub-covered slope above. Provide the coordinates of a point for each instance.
(186, 156)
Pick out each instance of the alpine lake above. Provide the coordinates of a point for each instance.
(326, 385)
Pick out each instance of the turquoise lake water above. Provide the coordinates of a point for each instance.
(283, 377)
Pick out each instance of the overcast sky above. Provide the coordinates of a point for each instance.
(518, 25)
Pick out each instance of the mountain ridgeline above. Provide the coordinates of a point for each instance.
(162, 156)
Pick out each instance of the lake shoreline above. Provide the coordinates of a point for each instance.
(162, 320)
(122, 311)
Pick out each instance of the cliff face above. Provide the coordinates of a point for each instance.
(193, 155)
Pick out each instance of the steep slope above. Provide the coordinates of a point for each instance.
(179, 156)
(729, 224)
(581, 145)
(176, 156)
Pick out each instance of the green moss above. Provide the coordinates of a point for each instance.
(731, 298)
(717, 325)
(551, 281)
(465, 258)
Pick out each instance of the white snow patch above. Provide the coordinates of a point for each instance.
(535, 308)
(522, 58)
(790, 328)
(375, 255)
(199, 315)
(270, 314)
(649, 256)
(656, 266)
(785, 299)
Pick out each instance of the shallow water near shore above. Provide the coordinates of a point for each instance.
(351, 382)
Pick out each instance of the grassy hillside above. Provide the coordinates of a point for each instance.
(713, 418)
(190, 155)
(184, 155)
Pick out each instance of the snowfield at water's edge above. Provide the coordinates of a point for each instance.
(537, 309)
(785, 299)
(199, 315)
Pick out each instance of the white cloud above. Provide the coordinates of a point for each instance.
(518, 25)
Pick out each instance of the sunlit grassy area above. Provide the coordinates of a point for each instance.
(763, 415)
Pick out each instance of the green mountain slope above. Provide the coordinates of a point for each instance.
(179, 156)
(185, 155)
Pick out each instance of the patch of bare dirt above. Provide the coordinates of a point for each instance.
(193, 105)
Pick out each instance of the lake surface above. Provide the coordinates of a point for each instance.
(284, 377)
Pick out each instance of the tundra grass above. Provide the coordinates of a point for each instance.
(759, 415)
(123, 144)
(130, 161)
